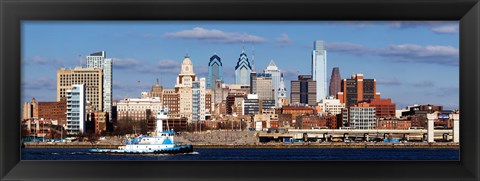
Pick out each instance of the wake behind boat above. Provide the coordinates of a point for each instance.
(161, 142)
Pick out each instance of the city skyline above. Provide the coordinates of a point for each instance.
(151, 50)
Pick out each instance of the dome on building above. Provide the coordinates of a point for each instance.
(187, 61)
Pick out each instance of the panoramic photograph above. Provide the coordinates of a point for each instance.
(240, 90)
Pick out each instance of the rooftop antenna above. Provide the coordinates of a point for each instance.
(253, 58)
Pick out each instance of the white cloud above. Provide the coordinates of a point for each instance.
(215, 36)
(446, 55)
(446, 29)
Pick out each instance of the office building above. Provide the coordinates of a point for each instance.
(331, 106)
(319, 69)
(261, 84)
(76, 109)
(184, 88)
(384, 108)
(100, 60)
(171, 100)
(357, 89)
(136, 109)
(243, 69)
(214, 71)
(53, 111)
(335, 82)
(90, 77)
(361, 116)
(273, 70)
(250, 105)
(303, 90)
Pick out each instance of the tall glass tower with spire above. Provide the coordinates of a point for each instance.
(214, 71)
(319, 69)
(276, 75)
(243, 69)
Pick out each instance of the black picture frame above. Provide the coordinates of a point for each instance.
(12, 12)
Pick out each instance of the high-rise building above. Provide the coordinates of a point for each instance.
(76, 109)
(303, 90)
(319, 69)
(276, 76)
(261, 84)
(335, 82)
(198, 100)
(100, 60)
(357, 89)
(282, 94)
(214, 71)
(91, 77)
(184, 88)
(243, 69)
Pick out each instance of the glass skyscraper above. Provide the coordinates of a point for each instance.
(276, 75)
(100, 60)
(243, 69)
(319, 69)
(214, 71)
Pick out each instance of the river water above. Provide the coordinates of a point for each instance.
(255, 154)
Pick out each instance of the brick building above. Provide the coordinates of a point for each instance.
(53, 111)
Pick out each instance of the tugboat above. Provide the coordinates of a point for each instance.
(161, 142)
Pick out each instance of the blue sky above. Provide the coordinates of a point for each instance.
(414, 62)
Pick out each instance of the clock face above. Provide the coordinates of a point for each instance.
(186, 68)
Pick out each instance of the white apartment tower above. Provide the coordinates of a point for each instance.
(100, 60)
(319, 69)
(76, 109)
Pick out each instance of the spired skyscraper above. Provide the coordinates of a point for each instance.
(335, 82)
(243, 69)
(100, 60)
(214, 71)
(276, 76)
(282, 93)
(319, 69)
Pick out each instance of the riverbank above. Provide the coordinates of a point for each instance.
(269, 145)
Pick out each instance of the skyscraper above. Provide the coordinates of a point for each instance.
(91, 77)
(214, 71)
(319, 69)
(357, 89)
(303, 90)
(184, 88)
(276, 76)
(261, 85)
(100, 60)
(335, 82)
(243, 69)
(76, 109)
